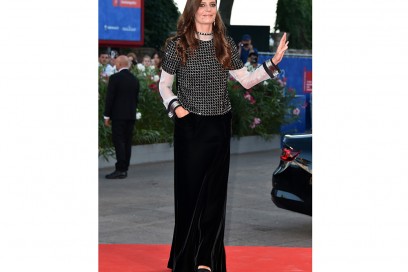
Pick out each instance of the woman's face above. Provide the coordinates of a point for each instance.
(146, 61)
(206, 12)
(156, 58)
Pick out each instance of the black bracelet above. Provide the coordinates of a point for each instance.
(276, 66)
(271, 68)
(170, 103)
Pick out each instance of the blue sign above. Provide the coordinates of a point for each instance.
(121, 21)
(293, 69)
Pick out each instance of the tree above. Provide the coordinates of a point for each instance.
(225, 10)
(295, 17)
(160, 21)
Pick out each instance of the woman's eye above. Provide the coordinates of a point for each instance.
(212, 5)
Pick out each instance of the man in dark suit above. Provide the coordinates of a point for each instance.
(120, 109)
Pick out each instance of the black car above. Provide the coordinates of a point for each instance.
(292, 180)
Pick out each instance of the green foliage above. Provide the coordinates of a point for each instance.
(105, 145)
(154, 126)
(160, 20)
(225, 10)
(260, 110)
(295, 17)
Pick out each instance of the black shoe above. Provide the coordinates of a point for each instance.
(203, 270)
(117, 175)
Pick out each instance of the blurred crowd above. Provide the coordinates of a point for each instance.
(107, 62)
(247, 51)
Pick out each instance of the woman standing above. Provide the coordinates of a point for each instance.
(157, 61)
(201, 57)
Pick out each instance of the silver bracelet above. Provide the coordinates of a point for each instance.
(272, 69)
(174, 104)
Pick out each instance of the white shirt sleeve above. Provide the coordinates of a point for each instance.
(110, 70)
(165, 88)
(250, 79)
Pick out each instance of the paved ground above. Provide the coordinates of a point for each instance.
(139, 209)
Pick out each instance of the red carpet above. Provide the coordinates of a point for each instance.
(153, 258)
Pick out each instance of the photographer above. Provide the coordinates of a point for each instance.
(245, 47)
(252, 61)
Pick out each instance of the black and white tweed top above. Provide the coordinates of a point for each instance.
(202, 82)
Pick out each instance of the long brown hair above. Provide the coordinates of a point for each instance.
(187, 42)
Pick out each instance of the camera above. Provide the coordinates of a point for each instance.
(113, 54)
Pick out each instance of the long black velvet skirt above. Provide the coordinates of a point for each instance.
(201, 161)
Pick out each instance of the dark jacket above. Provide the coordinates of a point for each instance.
(122, 96)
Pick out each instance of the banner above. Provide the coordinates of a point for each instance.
(307, 81)
(121, 22)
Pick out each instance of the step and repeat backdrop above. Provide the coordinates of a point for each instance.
(121, 22)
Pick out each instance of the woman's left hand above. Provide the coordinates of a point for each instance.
(280, 51)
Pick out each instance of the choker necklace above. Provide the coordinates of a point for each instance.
(203, 33)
